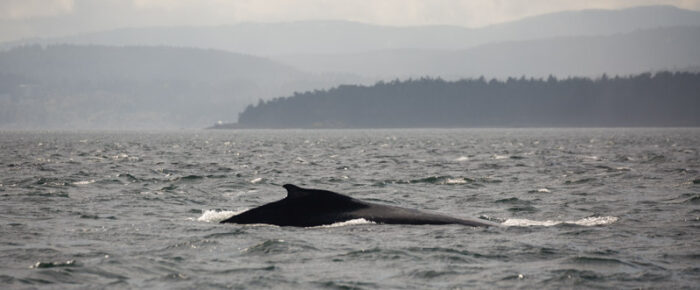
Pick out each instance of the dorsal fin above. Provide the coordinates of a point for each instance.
(294, 191)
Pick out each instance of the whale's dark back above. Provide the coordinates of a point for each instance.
(313, 207)
(302, 207)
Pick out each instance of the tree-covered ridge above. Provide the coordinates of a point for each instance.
(660, 99)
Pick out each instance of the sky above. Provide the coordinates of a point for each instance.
(45, 18)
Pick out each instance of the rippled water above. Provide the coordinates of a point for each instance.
(613, 208)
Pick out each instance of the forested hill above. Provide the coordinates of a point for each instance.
(661, 99)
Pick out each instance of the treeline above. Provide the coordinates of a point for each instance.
(660, 99)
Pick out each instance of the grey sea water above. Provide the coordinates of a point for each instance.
(582, 208)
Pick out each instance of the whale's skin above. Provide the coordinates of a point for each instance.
(314, 207)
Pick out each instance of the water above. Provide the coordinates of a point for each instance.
(611, 208)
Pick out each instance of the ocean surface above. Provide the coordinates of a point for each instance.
(581, 208)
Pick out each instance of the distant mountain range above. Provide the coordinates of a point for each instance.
(341, 37)
(139, 63)
(92, 87)
(668, 48)
(191, 77)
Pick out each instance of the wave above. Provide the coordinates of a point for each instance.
(586, 222)
(441, 180)
(84, 182)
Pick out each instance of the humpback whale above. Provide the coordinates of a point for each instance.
(314, 207)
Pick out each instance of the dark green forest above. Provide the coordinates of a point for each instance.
(649, 99)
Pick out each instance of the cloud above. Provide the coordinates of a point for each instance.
(24, 9)
(469, 13)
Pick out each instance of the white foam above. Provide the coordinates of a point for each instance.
(216, 216)
(84, 182)
(596, 221)
(587, 222)
(120, 156)
(528, 223)
(124, 156)
(498, 157)
(254, 181)
(455, 181)
(544, 190)
(462, 158)
(352, 222)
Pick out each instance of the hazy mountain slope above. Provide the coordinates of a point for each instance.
(151, 86)
(138, 63)
(641, 51)
(590, 22)
(330, 37)
(635, 52)
(136, 87)
(283, 38)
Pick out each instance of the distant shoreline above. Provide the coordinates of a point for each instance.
(663, 99)
(236, 126)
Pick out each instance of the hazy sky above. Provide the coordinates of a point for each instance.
(32, 18)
